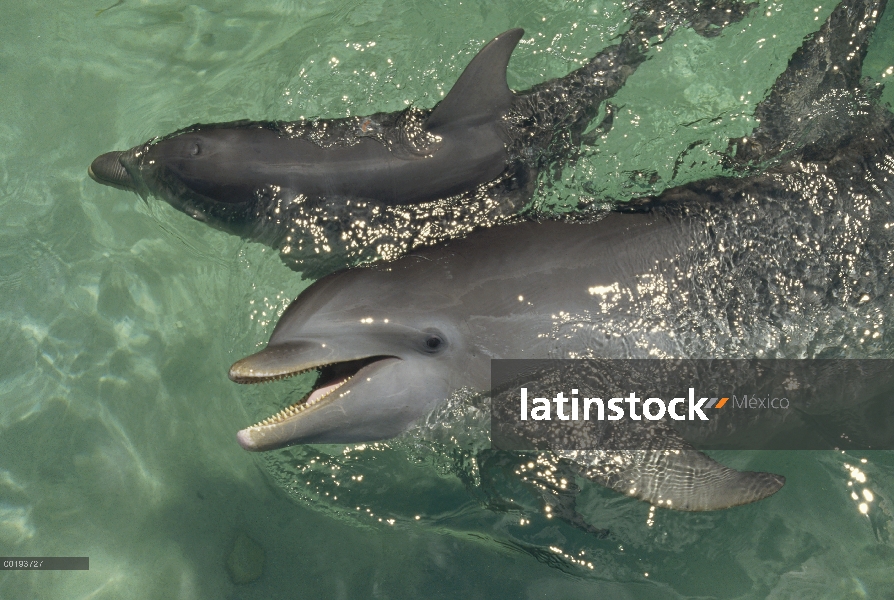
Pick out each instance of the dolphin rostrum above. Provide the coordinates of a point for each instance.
(792, 261)
(327, 193)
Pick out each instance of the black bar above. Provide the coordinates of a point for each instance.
(44, 563)
(761, 404)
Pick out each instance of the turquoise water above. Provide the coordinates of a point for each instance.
(119, 319)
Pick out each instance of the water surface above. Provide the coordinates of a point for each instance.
(119, 319)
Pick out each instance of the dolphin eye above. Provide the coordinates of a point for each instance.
(434, 343)
(195, 150)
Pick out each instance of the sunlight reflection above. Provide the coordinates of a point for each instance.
(860, 492)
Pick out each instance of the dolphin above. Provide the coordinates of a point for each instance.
(791, 260)
(363, 187)
(459, 145)
(393, 340)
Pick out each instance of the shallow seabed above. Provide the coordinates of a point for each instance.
(120, 318)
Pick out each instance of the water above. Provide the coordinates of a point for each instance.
(119, 319)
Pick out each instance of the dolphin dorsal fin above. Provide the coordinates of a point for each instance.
(481, 92)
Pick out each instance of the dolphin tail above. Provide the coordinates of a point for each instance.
(575, 99)
(828, 65)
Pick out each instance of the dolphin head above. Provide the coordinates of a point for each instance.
(384, 360)
(201, 170)
(205, 162)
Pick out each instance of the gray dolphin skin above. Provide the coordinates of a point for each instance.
(791, 261)
(393, 340)
(345, 190)
(459, 145)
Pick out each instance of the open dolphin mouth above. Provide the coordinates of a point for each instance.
(332, 377)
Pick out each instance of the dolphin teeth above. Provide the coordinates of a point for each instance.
(303, 404)
(279, 376)
(332, 377)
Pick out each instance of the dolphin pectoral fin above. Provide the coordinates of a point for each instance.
(681, 479)
(481, 92)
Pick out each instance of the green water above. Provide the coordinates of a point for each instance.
(119, 319)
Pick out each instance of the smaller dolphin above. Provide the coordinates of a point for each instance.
(364, 187)
(461, 144)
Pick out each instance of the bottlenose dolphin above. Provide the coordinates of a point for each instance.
(393, 340)
(327, 193)
(791, 261)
